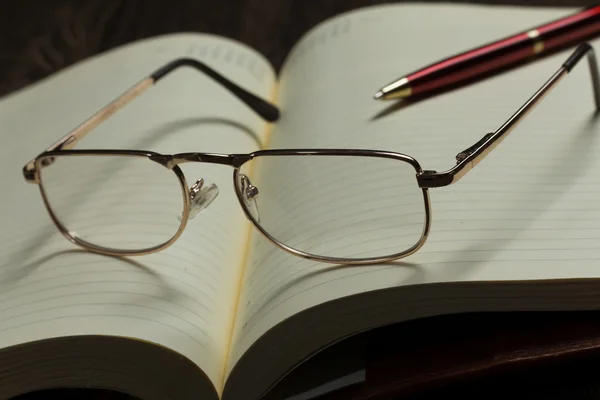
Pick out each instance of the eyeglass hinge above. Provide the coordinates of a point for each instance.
(432, 179)
(29, 174)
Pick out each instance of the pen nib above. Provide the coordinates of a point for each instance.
(397, 90)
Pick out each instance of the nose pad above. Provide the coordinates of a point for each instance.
(201, 197)
(249, 196)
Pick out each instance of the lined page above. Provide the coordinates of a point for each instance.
(182, 297)
(529, 211)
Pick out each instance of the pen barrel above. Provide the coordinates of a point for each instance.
(470, 65)
(571, 30)
(502, 54)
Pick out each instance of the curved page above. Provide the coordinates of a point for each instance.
(528, 213)
(181, 298)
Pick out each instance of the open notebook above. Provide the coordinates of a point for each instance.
(223, 313)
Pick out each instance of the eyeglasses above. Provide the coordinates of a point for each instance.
(347, 206)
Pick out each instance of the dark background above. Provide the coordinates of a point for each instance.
(40, 37)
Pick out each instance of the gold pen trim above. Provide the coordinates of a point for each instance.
(538, 44)
(396, 90)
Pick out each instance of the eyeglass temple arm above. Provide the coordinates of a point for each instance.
(266, 110)
(469, 158)
(263, 108)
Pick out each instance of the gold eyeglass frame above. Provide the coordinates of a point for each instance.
(425, 179)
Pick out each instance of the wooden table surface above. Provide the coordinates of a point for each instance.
(40, 37)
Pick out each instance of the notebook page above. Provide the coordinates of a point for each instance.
(182, 297)
(529, 211)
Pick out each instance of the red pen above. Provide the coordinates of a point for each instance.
(491, 57)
